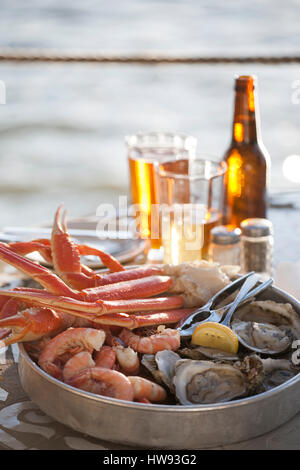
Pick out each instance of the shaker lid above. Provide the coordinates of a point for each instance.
(225, 235)
(256, 227)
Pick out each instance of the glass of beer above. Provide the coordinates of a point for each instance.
(190, 195)
(145, 151)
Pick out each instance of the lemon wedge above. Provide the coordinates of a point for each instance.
(215, 335)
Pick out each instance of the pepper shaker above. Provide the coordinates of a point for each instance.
(257, 247)
(225, 245)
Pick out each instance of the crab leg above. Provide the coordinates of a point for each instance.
(26, 328)
(96, 280)
(99, 307)
(66, 259)
(35, 323)
(9, 308)
(91, 279)
(131, 322)
(136, 288)
(39, 273)
(43, 246)
(66, 256)
(133, 289)
(126, 290)
(87, 277)
(109, 261)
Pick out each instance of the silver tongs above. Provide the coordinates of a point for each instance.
(247, 292)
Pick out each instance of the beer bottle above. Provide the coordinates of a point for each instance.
(247, 159)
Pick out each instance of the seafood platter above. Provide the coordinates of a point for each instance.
(158, 356)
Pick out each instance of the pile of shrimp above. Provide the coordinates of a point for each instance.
(105, 361)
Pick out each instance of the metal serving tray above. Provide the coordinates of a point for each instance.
(163, 426)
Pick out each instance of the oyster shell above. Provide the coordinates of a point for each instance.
(162, 366)
(203, 352)
(263, 336)
(166, 362)
(204, 382)
(276, 372)
(148, 361)
(267, 325)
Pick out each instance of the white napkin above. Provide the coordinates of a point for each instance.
(287, 277)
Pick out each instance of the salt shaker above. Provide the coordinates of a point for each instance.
(224, 245)
(257, 247)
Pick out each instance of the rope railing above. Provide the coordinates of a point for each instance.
(40, 55)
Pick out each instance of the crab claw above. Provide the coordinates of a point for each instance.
(30, 325)
(66, 257)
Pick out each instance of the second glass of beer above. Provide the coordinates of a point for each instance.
(191, 196)
(145, 151)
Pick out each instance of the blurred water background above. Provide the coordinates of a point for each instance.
(62, 129)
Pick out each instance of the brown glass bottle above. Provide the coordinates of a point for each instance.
(247, 159)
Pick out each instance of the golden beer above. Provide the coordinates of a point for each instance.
(144, 193)
(145, 151)
(191, 191)
(188, 241)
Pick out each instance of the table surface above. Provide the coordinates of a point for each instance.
(24, 426)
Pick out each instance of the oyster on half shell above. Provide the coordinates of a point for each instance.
(267, 325)
(277, 371)
(205, 382)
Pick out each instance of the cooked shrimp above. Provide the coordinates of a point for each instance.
(165, 338)
(128, 360)
(77, 363)
(88, 339)
(105, 358)
(145, 389)
(106, 382)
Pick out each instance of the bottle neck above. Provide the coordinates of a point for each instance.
(245, 126)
